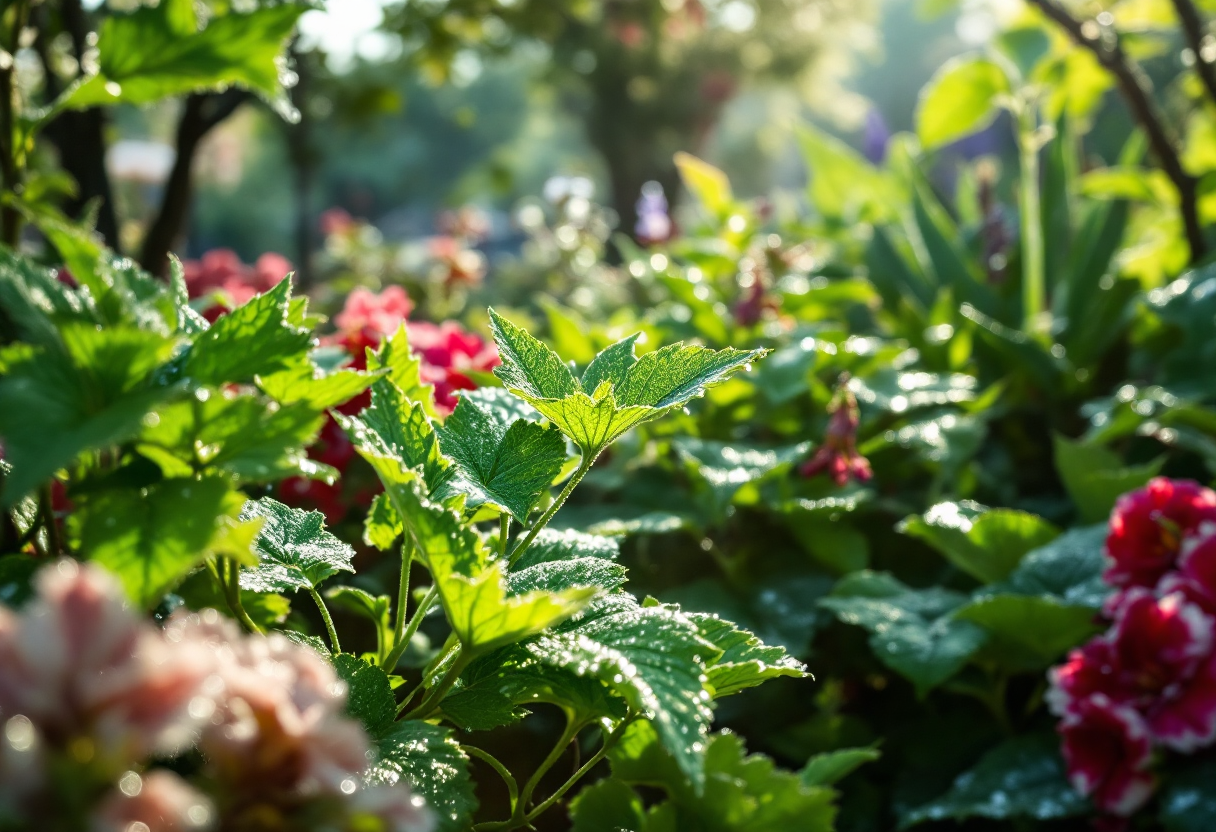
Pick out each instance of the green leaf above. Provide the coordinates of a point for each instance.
(394, 433)
(375, 608)
(382, 526)
(705, 182)
(1069, 569)
(1096, 478)
(305, 382)
(656, 383)
(911, 631)
(989, 545)
(607, 806)
(471, 587)
(553, 545)
(1029, 632)
(158, 51)
(91, 392)
(404, 369)
(725, 467)
(962, 97)
(1187, 801)
(831, 767)
(152, 538)
(255, 339)
(653, 657)
(746, 661)
(497, 462)
(431, 762)
(743, 792)
(201, 591)
(369, 696)
(555, 576)
(843, 184)
(611, 365)
(295, 550)
(1021, 778)
(240, 435)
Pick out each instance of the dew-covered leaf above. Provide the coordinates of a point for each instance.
(1068, 569)
(304, 382)
(1022, 777)
(382, 526)
(611, 365)
(555, 576)
(369, 696)
(726, 467)
(987, 544)
(428, 759)
(1095, 477)
(403, 368)
(1029, 632)
(508, 464)
(295, 549)
(394, 433)
(554, 545)
(746, 661)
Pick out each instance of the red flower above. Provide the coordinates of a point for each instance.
(838, 456)
(1106, 748)
(447, 350)
(381, 313)
(221, 271)
(1148, 526)
(1196, 575)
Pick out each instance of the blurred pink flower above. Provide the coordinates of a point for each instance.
(381, 313)
(448, 350)
(159, 800)
(1106, 748)
(838, 456)
(221, 270)
(336, 222)
(1147, 528)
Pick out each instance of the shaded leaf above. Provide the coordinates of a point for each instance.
(295, 550)
(431, 762)
(987, 545)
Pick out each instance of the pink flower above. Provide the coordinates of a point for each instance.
(336, 222)
(1158, 642)
(1106, 749)
(1184, 718)
(161, 801)
(221, 270)
(838, 456)
(447, 351)
(1147, 528)
(381, 313)
(1088, 670)
(1196, 574)
(78, 663)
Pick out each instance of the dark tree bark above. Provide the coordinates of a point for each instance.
(201, 113)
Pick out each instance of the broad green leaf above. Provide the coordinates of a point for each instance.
(611, 364)
(1069, 570)
(746, 661)
(607, 806)
(831, 767)
(843, 184)
(501, 463)
(305, 382)
(91, 392)
(158, 51)
(987, 546)
(554, 576)
(705, 182)
(34, 303)
(743, 792)
(240, 435)
(404, 369)
(295, 549)
(395, 433)
(152, 538)
(1021, 778)
(911, 631)
(189, 322)
(471, 587)
(653, 657)
(656, 383)
(430, 761)
(369, 696)
(553, 545)
(255, 339)
(1029, 632)
(1096, 478)
(382, 526)
(1187, 801)
(726, 467)
(961, 98)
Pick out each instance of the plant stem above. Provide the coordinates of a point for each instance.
(403, 596)
(575, 479)
(231, 585)
(1033, 277)
(435, 695)
(489, 759)
(329, 622)
(504, 529)
(1137, 91)
(403, 640)
(559, 748)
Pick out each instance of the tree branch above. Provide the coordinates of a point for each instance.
(1135, 87)
(202, 112)
(1194, 30)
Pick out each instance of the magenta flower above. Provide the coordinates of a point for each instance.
(838, 456)
(1196, 574)
(1148, 526)
(381, 313)
(1107, 750)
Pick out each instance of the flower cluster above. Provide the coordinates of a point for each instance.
(220, 275)
(448, 353)
(1149, 683)
(838, 456)
(90, 693)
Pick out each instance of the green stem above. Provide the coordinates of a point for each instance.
(403, 639)
(403, 598)
(435, 695)
(559, 748)
(504, 529)
(583, 468)
(228, 574)
(1033, 267)
(329, 622)
(489, 759)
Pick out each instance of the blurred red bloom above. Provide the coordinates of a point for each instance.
(1147, 528)
(838, 456)
(1106, 747)
(221, 271)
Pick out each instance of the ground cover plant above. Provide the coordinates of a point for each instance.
(883, 508)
